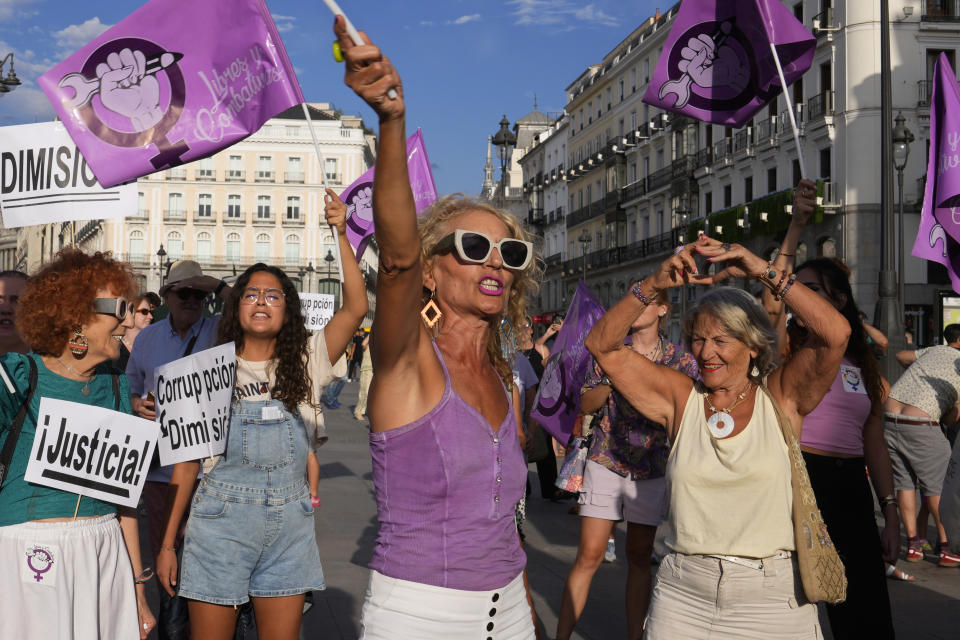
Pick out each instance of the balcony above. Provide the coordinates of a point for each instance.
(140, 214)
(293, 177)
(263, 219)
(722, 149)
(659, 179)
(535, 215)
(204, 216)
(234, 217)
(174, 215)
(552, 260)
(648, 247)
(766, 131)
(206, 174)
(264, 176)
(236, 175)
(924, 91)
(293, 220)
(742, 140)
(940, 10)
(634, 190)
(704, 158)
(583, 214)
(820, 105)
(178, 173)
(784, 118)
(138, 259)
(823, 23)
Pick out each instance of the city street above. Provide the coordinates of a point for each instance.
(346, 529)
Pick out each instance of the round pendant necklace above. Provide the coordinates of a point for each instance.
(85, 390)
(721, 423)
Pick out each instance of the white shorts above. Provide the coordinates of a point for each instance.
(609, 496)
(397, 608)
(67, 581)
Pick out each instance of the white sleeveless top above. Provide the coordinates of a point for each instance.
(731, 496)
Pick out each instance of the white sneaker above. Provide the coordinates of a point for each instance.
(611, 553)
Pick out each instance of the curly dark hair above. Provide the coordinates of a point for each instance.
(293, 384)
(834, 276)
(59, 298)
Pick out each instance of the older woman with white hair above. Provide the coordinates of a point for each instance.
(730, 573)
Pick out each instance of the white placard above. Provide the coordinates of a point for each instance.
(193, 404)
(92, 451)
(317, 309)
(44, 179)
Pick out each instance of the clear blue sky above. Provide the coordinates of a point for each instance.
(464, 63)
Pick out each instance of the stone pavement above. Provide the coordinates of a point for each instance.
(927, 609)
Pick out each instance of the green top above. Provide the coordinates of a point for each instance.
(21, 501)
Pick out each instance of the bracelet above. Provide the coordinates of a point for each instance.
(173, 549)
(779, 296)
(886, 501)
(144, 576)
(789, 255)
(315, 501)
(639, 294)
(767, 275)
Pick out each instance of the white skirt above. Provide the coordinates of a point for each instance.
(399, 609)
(67, 581)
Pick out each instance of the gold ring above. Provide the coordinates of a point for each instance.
(337, 51)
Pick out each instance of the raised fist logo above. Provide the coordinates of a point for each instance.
(711, 66)
(127, 89)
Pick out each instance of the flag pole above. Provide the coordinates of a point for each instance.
(323, 178)
(793, 120)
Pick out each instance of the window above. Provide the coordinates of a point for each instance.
(633, 80)
(291, 250)
(707, 203)
(620, 91)
(331, 170)
(141, 204)
(798, 13)
(748, 189)
(263, 207)
(646, 71)
(233, 206)
(205, 169)
(796, 177)
(294, 169)
(235, 168)
(827, 248)
(204, 247)
(264, 168)
(233, 247)
(175, 204)
(204, 205)
(174, 246)
(825, 163)
(292, 132)
(727, 195)
(660, 228)
(262, 248)
(293, 208)
(771, 179)
(135, 251)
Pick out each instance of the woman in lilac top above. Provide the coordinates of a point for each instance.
(447, 462)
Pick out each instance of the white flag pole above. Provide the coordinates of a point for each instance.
(323, 178)
(793, 120)
(353, 33)
(6, 380)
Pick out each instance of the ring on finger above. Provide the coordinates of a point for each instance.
(725, 246)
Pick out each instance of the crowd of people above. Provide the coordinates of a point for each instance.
(704, 437)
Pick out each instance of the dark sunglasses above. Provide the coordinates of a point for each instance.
(196, 294)
(476, 247)
(116, 307)
(145, 312)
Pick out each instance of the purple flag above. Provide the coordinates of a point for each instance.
(558, 397)
(359, 196)
(173, 82)
(940, 216)
(716, 64)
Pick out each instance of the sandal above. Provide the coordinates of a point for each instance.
(897, 574)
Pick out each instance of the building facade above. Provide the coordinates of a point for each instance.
(641, 181)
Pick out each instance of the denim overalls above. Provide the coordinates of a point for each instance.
(251, 527)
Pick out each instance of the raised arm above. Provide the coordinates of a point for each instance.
(541, 344)
(338, 333)
(657, 391)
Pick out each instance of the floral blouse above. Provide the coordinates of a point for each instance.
(624, 440)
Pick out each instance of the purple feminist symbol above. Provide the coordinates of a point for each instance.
(43, 557)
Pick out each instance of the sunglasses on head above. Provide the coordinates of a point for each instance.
(476, 247)
(116, 307)
(196, 294)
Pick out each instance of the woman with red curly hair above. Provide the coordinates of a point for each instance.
(72, 315)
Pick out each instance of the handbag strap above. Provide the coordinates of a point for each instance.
(6, 456)
(798, 468)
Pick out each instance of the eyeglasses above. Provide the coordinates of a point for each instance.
(272, 297)
(116, 307)
(145, 312)
(196, 294)
(475, 247)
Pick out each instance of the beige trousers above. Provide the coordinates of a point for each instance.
(703, 598)
(365, 376)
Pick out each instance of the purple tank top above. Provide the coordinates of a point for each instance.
(836, 425)
(446, 490)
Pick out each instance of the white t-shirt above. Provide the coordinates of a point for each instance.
(255, 381)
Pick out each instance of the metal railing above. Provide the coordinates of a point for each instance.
(820, 105)
(205, 216)
(704, 157)
(722, 149)
(766, 130)
(206, 174)
(174, 214)
(236, 175)
(940, 10)
(177, 174)
(293, 177)
(259, 218)
(264, 176)
(659, 178)
(634, 190)
(583, 214)
(742, 140)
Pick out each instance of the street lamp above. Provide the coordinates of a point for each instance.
(902, 137)
(11, 81)
(305, 271)
(584, 240)
(161, 254)
(503, 140)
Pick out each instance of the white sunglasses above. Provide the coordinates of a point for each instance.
(476, 247)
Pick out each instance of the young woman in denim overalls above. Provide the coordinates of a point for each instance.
(251, 530)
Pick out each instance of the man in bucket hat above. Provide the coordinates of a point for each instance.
(182, 332)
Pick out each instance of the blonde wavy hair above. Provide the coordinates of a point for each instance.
(435, 223)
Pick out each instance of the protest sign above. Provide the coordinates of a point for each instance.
(193, 404)
(44, 179)
(92, 451)
(173, 82)
(317, 309)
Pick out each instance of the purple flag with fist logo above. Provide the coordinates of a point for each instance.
(717, 65)
(359, 196)
(173, 82)
(939, 232)
(558, 397)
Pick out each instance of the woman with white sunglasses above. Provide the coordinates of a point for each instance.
(447, 462)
